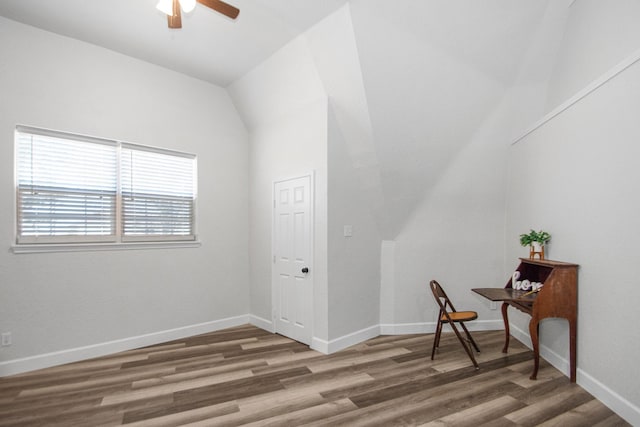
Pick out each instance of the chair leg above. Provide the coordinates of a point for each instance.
(436, 339)
(438, 333)
(466, 344)
(466, 331)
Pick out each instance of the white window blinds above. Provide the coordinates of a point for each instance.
(66, 189)
(157, 194)
(75, 189)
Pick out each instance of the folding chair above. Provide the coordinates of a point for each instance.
(448, 314)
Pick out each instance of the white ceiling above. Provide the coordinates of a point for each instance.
(432, 71)
(209, 46)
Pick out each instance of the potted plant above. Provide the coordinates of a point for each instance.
(536, 241)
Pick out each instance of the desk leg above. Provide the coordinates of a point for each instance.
(572, 349)
(533, 331)
(505, 318)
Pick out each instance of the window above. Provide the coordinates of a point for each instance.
(77, 189)
(157, 194)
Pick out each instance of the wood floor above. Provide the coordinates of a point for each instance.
(245, 375)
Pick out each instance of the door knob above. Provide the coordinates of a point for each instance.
(305, 270)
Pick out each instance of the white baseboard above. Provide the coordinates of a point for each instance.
(430, 327)
(618, 404)
(17, 366)
(320, 345)
(407, 328)
(557, 361)
(261, 323)
(328, 347)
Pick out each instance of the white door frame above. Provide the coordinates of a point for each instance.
(274, 299)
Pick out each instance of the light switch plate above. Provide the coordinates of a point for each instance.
(6, 339)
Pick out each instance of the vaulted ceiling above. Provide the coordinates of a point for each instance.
(209, 46)
(432, 70)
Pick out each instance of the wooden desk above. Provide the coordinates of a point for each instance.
(557, 298)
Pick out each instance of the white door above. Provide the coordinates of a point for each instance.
(292, 284)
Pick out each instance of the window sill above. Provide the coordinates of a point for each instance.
(84, 247)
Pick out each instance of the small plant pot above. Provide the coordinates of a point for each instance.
(536, 248)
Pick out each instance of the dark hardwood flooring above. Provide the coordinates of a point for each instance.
(246, 376)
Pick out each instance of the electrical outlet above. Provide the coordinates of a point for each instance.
(6, 339)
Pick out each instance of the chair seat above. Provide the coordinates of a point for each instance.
(460, 316)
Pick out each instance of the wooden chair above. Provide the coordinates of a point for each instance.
(448, 314)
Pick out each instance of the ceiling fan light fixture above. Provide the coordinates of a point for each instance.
(187, 5)
(165, 6)
(173, 8)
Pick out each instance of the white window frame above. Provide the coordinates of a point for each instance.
(119, 241)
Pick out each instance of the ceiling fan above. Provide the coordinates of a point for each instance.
(172, 9)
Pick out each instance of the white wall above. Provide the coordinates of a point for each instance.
(584, 193)
(284, 102)
(580, 186)
(456, 234)
(354, 190)
(285, 106)
(432, 72)
(354, 261)
(282, 85)
(62, 301)
(285, 149)
(335, 52)
(598, 35)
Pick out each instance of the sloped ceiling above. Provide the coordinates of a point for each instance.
(209, 46)
(431, 70)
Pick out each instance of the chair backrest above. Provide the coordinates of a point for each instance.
(441, 297)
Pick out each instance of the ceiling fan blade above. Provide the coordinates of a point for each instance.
(175, 20)
(222, 7)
